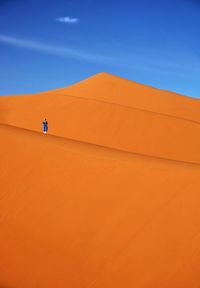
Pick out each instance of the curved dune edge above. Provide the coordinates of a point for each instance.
(110, 197)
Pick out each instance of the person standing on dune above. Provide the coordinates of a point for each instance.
(45, 126)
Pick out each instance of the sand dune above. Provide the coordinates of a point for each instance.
(113, 125)
(110, 198)
(113, 89)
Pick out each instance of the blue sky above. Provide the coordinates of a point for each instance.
(46, 44)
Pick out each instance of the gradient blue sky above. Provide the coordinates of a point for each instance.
(153, 42)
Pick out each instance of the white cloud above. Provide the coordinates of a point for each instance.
(134, 61)
(63, 51)
(68, 20)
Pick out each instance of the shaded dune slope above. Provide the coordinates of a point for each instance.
(78, 215)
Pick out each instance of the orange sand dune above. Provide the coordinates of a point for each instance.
(110, 198)
(113, 89)
(109, 124)
(78, 215)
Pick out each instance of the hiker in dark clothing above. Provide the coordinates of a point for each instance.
(45, 126)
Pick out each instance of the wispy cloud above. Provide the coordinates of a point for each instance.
(134, 61)
(68, 20)
(63, 51)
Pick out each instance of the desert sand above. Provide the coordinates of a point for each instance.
(109, 197)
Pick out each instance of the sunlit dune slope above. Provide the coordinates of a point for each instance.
(79, 215)
(110, 197)
(113, 89)
(116, 113)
